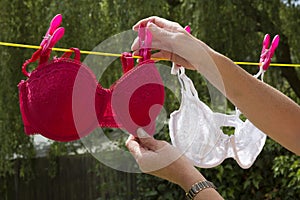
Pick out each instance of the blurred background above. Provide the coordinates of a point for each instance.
(37, 168)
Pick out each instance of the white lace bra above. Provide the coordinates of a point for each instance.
(196, 130)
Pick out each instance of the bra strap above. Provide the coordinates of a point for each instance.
(186, 83)
(74, 50)
(36, 55)
(52, 36)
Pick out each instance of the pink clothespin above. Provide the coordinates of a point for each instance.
(145, 40)
(267, 53)
(52, 36)
(187, 29)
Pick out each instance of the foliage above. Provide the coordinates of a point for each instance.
(292, 172)
(154, 188)
(234, 28)
(14, 143)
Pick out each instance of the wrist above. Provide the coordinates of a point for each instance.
(199, 187)
(201, 56)
(189, 178)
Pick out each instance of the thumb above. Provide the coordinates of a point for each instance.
(148, 141)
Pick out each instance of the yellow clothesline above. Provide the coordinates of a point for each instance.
(119, 55)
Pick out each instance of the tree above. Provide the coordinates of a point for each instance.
(234, 28)
(230, 26)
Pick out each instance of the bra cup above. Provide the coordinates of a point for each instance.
(192, 117)
(223, 148)
(217, 155)
(138, 97)
(249, 142)
(47, 100)
(244, 145)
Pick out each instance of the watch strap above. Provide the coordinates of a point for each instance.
(198, 187)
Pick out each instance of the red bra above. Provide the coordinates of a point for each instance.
(63, 101)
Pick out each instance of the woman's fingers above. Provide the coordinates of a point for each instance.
(174, 58)
(163, 23)
(168, 37)
(149, 142)
(160, 37)
(135, 44)
(134, 147)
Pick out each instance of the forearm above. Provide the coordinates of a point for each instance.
(271, 111)
(151, 155)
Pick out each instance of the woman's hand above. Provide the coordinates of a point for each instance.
(163, 160)
(173, 41)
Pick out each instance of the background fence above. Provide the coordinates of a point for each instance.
(71, 177)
